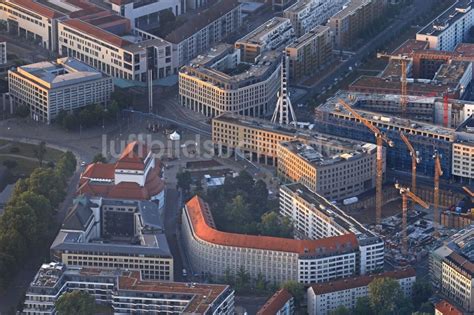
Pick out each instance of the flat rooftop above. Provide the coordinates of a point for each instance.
(300, 5)
(303, 40)
(345, 221)
(257, 35)
(319, 153)
(415, 87)
(350, 9)
(409, 46)
(447, 18)
(451, 73)
(60, 73)
(213, 55)
(332, 106)
(265, 65)
(201, 296)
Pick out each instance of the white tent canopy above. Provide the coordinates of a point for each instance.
(175, 136)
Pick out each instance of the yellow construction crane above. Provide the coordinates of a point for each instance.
(437, 174)
(403, 79)
(380, 138)
(415, 159)
(406, 193)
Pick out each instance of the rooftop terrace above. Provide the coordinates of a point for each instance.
(447, 18)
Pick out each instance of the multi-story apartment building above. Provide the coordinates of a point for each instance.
(452, 269)
(125, 291)
(449, 28)
(280, 303)
(348, 24)
(307, 14)
(333, 119)
(278, 259)
(205, 30)
(50, 87)
(31, 20)
(324, 298)
(463, 152)
(334, 168)
(272, 35)
(314, 217)
(3, 53)
(219, 82)
(310, 53)
(144, 14)
(134, 176)
(114, 233)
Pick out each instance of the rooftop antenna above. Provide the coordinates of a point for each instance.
(284, 113)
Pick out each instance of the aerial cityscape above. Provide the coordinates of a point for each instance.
(247, 157)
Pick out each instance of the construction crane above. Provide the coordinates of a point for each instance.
(380, 138)
(415, 159)
(403, 79)
(437, 174)
(406, 193)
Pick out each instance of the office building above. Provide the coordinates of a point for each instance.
(452, 269)
(135, 176)
(115, 233)
(277, 259)
(332, 118)
(31, 20)
(66, 84)
(336, 169)
(3, 53)
(211, 26)
(314, 217)
(280, 303)
(118, 51)
(145, 14)
(219, 82)
(307, 14)
(310, 53)
(449, 28)
(324, 298)
(274, 34)
(353, 20)
(125, 292)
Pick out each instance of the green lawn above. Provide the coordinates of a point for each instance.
(23, 167)
(28, 150)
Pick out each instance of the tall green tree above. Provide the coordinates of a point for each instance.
(340, 310)
(242, 280)
(421, 293)
(296, 289)
(238, 214)
(184, 181)
(44, 181)
(385, 296)
(274, 225)
(75, 303)
(99, 158)
(40, 152)
(363, 306)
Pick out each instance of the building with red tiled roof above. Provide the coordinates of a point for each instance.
(326, 297)
(135, 175)
(445, 308)
(280, 303)
(277, 259)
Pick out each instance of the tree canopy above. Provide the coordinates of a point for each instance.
(27, 224)
(75, 303)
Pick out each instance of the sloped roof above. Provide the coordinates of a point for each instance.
(198, 210)
(78, 216)
(361, 281)
(446, 308)
(133, 156)
(96, 32)
(275, 303)
(37, 8)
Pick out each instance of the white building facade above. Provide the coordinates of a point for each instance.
(325, 298)
(50, 87)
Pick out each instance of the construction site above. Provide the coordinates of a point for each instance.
(416, 112)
